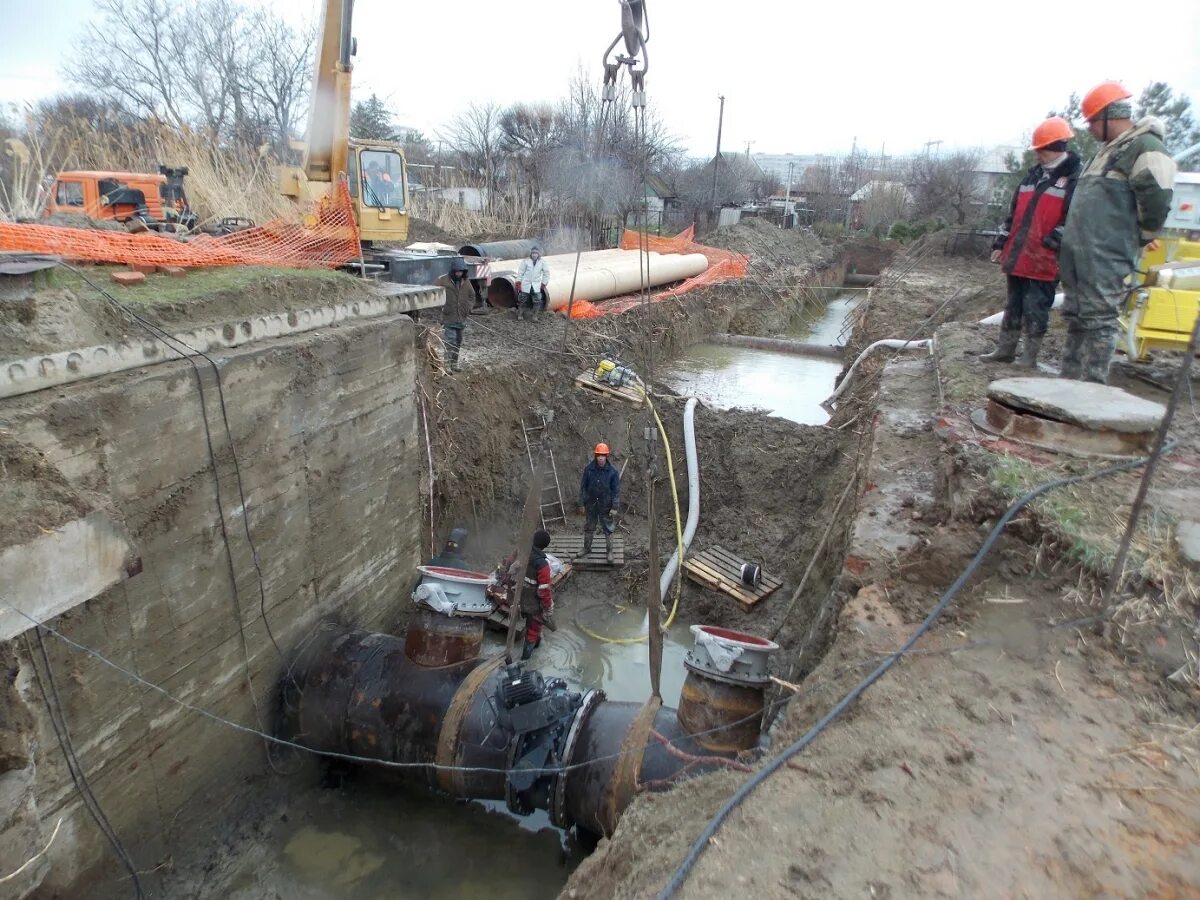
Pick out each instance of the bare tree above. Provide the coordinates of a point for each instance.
(948, 186)
(529, 135)
(475, 136)
(210, 64)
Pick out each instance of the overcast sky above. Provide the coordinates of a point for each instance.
(797, 77)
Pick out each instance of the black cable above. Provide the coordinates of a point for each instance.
(710, 829)
(62, 732)
(170, 340)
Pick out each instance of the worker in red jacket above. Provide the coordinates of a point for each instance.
(537, 598)
(1027, 247)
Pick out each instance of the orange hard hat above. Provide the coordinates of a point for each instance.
(1101, 97)
(1052, 130)
(601, 449)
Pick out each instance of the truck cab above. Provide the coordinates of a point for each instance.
(155, 201)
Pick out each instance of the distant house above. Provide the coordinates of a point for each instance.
(993, 168)
(472, 198)
(661, 199)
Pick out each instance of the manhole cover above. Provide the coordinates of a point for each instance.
(1067, 416)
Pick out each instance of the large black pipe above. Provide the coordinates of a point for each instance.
(502, 249)
(359, 693)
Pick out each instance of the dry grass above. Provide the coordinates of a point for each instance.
(223, 180)
(509, 217)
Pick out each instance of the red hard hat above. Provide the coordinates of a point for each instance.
(1102, 96)
(1053, 129)
(601, 449)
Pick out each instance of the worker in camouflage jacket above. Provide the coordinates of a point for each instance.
(1122, 200)
(460, 299)
(1029, 239)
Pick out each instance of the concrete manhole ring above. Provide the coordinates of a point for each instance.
(1059, 437)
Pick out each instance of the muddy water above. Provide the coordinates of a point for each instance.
(379, 840)
(782, 384)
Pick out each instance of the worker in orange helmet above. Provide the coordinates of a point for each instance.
(1027, 247)
(599, 497)
(1122, 200)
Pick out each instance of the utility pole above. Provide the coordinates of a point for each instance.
(748, 143)
(787, 196)
(717, 158)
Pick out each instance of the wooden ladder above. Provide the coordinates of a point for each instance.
(551, 502)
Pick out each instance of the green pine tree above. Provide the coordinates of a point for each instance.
(371, 120)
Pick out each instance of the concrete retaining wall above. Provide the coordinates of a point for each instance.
(325, 429)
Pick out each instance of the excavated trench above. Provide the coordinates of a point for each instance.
(771, 473)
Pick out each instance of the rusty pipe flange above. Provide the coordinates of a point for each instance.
(447, 777)
(1059, 437)
(733, 657)
(559, 816)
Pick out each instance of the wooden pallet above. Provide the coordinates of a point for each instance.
(567, 546)
(499, 617)
(630, 393)
(719, 570)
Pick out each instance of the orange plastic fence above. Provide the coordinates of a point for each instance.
(723, 265)
(326, 236)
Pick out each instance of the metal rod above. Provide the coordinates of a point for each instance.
(1160, 439)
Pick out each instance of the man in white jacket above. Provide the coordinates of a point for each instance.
(532, 277)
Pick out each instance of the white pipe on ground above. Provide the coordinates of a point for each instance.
(894, 344)
(995, 318)
(693, 516)
(602, 274)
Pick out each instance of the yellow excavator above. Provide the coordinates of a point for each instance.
(1161, 312)
(376, 172)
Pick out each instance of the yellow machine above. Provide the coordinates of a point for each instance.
(1161, 312)
(375, 170)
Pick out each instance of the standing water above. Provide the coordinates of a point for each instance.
(784, 384)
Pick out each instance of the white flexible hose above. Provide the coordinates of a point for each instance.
(995, 318)
(693, 516)
(892, 343)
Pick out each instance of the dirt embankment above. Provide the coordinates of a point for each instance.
(765, 482)
(1014, 752)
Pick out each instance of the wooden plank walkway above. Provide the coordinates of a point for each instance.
(720, 570)
(568, 546)
(630, 393)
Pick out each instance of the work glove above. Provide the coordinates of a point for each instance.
(548, 618)
(1053, 240)
(582, 510)
(518, 287)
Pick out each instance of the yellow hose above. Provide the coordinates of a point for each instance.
(678, 536)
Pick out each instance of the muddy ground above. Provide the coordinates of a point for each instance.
(1024, 748)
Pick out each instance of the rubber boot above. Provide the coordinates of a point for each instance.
(1072, 356)
(1098, 355)
(1006, 347)
(608, 548)
(1029, 352)
(520, 313)
(527, 650)
(587, 546)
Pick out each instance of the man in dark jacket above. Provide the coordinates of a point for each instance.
(599, 494)
(460, 297)
(537, 598)
(1123, 199)
(451, 556)
(1028, 245)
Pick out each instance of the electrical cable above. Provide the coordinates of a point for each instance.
(169, 340)
(330, 754)
(62, 733)
(746, 788)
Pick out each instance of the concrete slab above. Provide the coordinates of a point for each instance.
(1095, 406)
(1187, 542)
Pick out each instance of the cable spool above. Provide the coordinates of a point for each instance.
(751, 574)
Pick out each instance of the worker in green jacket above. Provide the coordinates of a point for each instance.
(1122, 200)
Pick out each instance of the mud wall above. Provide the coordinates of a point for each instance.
(325, 430)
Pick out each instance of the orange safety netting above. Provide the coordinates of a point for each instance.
(325, 236)
(723, 265)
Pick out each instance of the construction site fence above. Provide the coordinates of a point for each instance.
(723, 265)
(323, 235)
